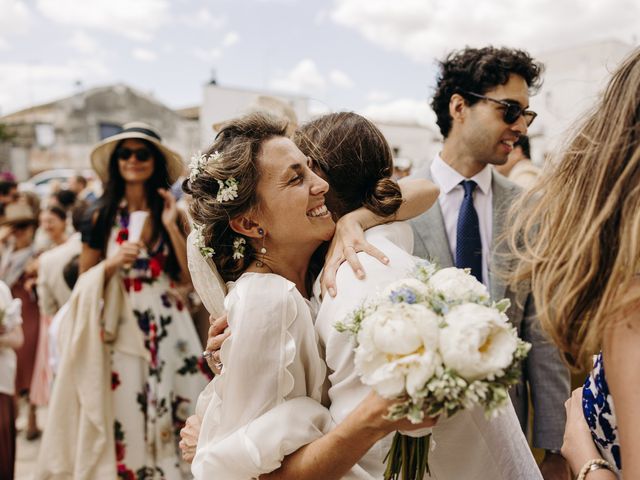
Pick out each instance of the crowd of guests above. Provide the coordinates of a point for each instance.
(96, 306)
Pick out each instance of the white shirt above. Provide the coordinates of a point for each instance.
(450, 199)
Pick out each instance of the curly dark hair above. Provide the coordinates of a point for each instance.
(479, 70)
(239, 142)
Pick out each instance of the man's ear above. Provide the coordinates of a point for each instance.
(246, 226)
(457, 107)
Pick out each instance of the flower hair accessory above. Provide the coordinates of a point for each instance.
(238, 248)
(205, 251)
(228, 190)
(199, 162)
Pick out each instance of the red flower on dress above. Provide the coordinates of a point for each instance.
(115, 380)
(123, 235)
(137, 284)
(120, 452)
(155, 267)
(124, 473)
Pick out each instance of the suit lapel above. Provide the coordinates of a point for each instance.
(503, 196)
(430, 227)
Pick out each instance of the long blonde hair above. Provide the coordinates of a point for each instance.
(576, 234)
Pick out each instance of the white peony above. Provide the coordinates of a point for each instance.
(458, 285)
(478, 342)
(397, 349)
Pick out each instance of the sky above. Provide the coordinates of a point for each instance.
(377, 57)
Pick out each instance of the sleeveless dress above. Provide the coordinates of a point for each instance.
(600, 414)
(153, 400)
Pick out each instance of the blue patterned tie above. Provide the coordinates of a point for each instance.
(468, 242)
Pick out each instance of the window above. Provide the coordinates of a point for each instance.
(109, 129)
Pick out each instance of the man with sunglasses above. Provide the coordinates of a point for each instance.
(481, 103)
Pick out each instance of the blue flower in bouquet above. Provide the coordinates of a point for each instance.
(403, 295)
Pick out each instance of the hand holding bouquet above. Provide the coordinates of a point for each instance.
(438, 344)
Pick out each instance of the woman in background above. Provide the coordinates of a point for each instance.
(151, 399)
(18, 272)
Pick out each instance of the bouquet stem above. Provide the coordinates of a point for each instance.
(408, 458)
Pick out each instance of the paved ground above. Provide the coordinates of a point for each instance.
(27, 452)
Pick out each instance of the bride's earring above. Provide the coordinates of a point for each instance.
(263, 250)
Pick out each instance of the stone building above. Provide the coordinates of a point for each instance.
(61, 134)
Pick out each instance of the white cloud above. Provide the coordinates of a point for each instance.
(144, 54)
(26, 84)
(137, 20)
(303, 78)
(401, 110)
(230, 39)
(340, 79)
(207, 55)
(15, 18)
(203, 18)
(4, 45)
(377, 96)
(83, 42)
(424, 29)
(212, 54)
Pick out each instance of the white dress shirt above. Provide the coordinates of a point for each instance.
(450, 199)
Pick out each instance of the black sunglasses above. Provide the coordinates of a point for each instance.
(511, 112)
(142, 154)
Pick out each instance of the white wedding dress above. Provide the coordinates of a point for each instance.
(266, 402)
(467, 445)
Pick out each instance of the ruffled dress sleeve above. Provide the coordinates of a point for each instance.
(266, 402)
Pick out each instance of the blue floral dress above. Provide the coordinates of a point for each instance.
(600, 414)
(153, 399)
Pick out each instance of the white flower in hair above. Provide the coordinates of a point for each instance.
(199, 162)
(228, 190)
(238, 248)
(205, 251)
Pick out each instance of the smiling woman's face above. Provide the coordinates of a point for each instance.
(291, 196)
(135, 161)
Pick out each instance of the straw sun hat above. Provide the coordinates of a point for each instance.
(102, 152)
(18, 213)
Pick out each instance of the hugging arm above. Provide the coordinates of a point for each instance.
(334, 454)
(418, 195)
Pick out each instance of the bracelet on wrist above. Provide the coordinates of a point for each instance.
(591, 465)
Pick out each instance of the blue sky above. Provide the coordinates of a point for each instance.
(373, 56)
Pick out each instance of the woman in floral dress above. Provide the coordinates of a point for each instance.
(151, 399)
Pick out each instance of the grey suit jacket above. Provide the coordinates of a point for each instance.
(544, 373)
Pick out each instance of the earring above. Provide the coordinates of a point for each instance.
(263, 250)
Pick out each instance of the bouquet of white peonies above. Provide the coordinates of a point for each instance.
(438, 344)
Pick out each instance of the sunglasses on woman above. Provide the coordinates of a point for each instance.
(142, 154)
(511, 112)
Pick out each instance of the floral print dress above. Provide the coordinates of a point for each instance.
(598, 409)
(153, 399)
